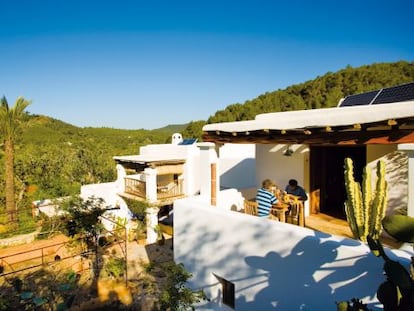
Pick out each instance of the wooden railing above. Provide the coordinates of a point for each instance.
(138, 188)
(135, 187)
(172, 190)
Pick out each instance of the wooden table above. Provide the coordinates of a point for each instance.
(280, 210)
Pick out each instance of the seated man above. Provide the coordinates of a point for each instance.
(265, 198)
(296, 190)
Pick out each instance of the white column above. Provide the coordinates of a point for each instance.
(152, 222)
(151, 184)
(120, 178)
(409, 149)
(208, 156)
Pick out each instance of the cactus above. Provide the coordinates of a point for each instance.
(397, 292)
(353, 203)
(364, 208)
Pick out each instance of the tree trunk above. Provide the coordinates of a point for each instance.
(9, 170)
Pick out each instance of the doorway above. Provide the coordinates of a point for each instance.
(327, 175)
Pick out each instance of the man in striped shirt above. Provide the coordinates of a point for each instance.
(265, 198)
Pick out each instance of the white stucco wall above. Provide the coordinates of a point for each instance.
(237, 166)
(191, 173)
(107, 192)
(408, 149)
(273, 265)
(272, 163)
(396, 170)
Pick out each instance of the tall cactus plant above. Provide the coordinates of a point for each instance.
(364, 208)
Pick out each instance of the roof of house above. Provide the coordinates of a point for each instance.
(151, 159)
(357, 124)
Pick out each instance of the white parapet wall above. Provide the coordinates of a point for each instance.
(272, 265)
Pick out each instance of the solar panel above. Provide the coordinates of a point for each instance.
(188, 141)
(394, 94)
(359, 99)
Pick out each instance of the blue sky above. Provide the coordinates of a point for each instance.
(146, 64)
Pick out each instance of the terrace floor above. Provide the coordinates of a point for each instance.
(328, 224)
(336, 226)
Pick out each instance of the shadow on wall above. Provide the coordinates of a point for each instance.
(239, 176)
(396, 164)
(273, 265)
(297, 274)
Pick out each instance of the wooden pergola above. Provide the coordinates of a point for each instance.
(391, 131)
(391, 123)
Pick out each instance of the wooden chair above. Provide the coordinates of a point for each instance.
(250, 207)
(273, 215)
(296, 214)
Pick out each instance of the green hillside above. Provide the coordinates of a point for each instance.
(323, 91)
(54, 158)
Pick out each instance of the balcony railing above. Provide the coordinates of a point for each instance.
(135, 187)
(138, 188)
(171, 190)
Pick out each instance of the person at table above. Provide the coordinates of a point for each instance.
(296, 190)
(265, 198)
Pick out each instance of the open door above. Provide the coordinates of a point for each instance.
(327, 176)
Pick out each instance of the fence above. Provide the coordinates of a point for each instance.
(77, 254)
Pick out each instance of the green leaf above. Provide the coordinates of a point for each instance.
(401, 227)
(64, 287)
(26, 295)
(38, 301)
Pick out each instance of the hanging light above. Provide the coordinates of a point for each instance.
(288, 152)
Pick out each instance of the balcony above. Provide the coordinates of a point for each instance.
(163, 193)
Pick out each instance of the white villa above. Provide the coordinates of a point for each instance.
(163, 173)
(248, 263)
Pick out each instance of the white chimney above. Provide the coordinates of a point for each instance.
(176, 139)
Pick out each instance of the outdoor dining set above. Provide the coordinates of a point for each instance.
(287, 209)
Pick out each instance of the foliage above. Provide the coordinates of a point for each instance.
(175, 295)
(194, 130)
(50, 226)
(160, 235)
(364, 209)
(140, 230)
(53, 159)
(41, 290)
(11, 119)
(137, 208)
(115, 267)
(322, 92)
(83, 215)
(397, 292)
(400, 227)
(26, 223)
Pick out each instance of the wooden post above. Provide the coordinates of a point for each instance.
(213, 184)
